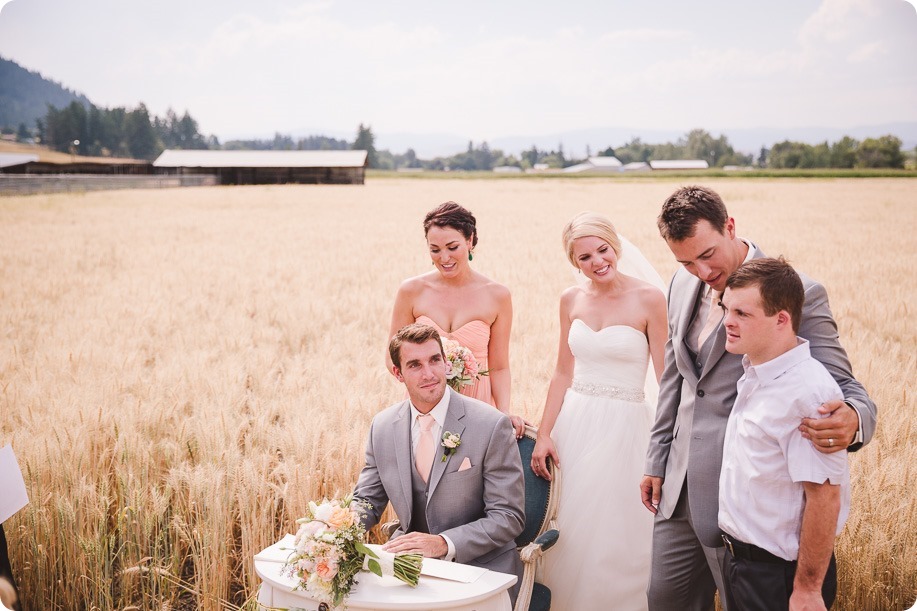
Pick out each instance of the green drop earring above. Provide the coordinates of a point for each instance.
(470, 256)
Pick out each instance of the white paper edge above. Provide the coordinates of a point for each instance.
(15, 495)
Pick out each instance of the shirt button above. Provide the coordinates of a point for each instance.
(700, 393)
(699, 365)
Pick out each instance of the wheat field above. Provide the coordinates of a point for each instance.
(182, 370)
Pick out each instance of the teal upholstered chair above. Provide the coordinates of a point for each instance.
(540, 526)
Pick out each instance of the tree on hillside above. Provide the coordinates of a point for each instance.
(366, 141)
(178, 133)
(25, 95)
(64, 127)
(141, 138)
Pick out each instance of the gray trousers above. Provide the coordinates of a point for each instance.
(685, 574)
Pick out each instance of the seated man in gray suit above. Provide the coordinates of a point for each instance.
(698, 389)
(464, 503)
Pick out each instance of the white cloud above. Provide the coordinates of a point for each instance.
(480, 72)
(869, 52)
(646, 36)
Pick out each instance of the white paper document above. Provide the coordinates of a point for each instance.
(13, 495)
(279, 552)
(453, 571)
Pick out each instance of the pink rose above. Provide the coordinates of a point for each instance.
(326, 569)
(340, 517)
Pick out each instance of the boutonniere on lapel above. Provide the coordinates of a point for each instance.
(450, 442)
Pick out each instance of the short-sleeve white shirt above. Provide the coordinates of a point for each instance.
(765, 457)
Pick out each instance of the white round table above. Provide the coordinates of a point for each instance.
(372, 593)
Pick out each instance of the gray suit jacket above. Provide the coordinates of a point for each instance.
(686, 443)
(480, 509)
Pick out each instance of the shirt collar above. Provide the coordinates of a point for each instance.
(777, 366)
(438, 412)
(708, 290)
(751, 250)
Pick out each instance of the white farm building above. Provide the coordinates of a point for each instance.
(596, 165)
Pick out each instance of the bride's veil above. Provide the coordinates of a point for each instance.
(631, 262)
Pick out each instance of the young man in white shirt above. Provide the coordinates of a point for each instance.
(782, 502)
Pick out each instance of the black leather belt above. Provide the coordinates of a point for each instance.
(747, 551)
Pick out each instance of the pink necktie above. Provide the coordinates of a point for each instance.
(714, 316)
(423, 454)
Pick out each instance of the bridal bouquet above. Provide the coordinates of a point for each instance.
(329, 551)
(462, 367)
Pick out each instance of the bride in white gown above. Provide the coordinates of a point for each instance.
(596, 425)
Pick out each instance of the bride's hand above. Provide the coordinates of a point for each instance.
(544, 451)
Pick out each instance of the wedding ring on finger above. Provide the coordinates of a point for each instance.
(830, 442)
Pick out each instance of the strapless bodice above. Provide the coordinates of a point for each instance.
(616, 356)
(474, 335)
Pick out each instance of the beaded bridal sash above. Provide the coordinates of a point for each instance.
(634, 395)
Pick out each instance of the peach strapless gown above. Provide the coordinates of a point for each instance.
(474, 335)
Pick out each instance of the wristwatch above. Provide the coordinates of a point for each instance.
(858, 438)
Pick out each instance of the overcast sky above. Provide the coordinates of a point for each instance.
(480, 69)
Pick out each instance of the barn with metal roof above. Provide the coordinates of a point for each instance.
(679, 164)
(45, 162)
(596, 165)
(267, 167)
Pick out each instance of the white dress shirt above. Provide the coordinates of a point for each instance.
(439, 417)
(766, 459)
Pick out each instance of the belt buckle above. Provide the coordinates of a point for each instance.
(728, 542)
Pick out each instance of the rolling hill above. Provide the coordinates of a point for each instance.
(25, 95)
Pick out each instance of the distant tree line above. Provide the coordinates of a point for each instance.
(281, 142)
(696, 144)
(119, 132)
(884, 152)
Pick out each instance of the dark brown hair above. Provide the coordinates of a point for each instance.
(688, 206)
(414, 333)
(455, 216)
(779, 284)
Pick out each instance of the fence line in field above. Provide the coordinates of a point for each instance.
(29, 184)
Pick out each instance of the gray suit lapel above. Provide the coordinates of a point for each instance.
(692, 291)
(454, 424)
(401, 436)
(717, 349)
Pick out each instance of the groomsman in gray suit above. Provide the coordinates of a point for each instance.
(464, 503)
(697, 391)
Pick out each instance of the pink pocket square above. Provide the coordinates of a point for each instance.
(466, 464)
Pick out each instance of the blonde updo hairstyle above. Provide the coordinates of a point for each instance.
(590, 224)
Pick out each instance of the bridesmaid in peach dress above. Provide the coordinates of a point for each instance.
(461, 304)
